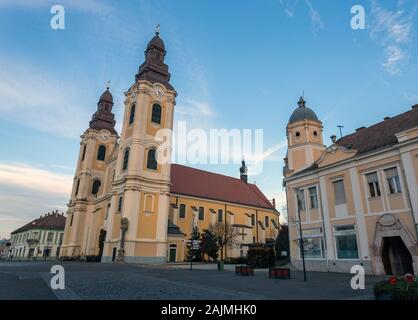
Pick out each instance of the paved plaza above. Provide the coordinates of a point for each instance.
(30, 280)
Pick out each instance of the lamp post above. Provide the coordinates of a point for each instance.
(192, 242)
(301, 237)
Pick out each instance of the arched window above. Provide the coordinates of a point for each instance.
(125, 160)
(101, 153)
(132, 115)
(96, 187)
(156, 113)
(152, 159)
(182, 211)
(120, 204)
(77, 187)
(84, 153)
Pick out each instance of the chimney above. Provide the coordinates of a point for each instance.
(274, 203)
(334, 139)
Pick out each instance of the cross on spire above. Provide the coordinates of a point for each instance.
(108, 84)
(157, 29)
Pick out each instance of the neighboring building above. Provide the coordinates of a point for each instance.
(127, 205)
(358, 197)
(4, 248)
(39, 239)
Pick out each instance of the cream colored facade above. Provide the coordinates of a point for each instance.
(356, 208)
(127, 217)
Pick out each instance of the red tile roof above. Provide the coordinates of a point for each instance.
(52, 220)
(381, 134)
(203, 184)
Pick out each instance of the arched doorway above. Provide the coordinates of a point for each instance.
(172, 253)
(395, 256)
(395, 250)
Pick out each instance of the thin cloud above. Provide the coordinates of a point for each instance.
(194, 108)
(393, 30)
(27, 192)
(394, 57)
(289, 8)
(410, 97)
(28, 177)
(48, 104)
(317, 23)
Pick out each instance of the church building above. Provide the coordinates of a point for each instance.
(128, 206)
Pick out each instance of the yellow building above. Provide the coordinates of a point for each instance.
(357, 198)
(127, 205)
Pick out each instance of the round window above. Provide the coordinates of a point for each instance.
(298, 134)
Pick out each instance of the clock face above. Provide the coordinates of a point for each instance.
(158, 92)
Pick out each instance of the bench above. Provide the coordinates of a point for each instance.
(279, 273)
(244, 271)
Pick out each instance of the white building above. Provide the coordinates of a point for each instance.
(39, 239)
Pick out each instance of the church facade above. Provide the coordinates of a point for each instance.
(127, 205)
(357, 199)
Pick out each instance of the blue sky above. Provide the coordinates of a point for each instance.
(235, 64)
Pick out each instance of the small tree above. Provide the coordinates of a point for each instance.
(193, 253)
(225, 235)
(209, 245)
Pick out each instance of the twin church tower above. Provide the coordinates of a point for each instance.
(120, 174)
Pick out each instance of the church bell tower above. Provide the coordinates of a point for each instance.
(141, 187)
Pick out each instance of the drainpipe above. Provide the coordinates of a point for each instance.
(256, 223)
(323, 226)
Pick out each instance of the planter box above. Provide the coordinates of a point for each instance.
(244, 271)
(279, 273)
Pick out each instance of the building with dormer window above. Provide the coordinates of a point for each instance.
(357, 198)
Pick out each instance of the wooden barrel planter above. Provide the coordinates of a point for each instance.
(279, 273)
(244, 271)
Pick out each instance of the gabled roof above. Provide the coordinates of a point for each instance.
(203, 184)
(381, 134)
(52, 220)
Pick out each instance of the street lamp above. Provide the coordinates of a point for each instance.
(192, 242)
(301, 236)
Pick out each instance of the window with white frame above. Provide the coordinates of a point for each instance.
(339, 192)
(373, 183)
(313, 247)
(346, 242)
(393, 180)
(300, 198)
(313, 195)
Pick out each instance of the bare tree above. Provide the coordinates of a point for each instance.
(225, 235)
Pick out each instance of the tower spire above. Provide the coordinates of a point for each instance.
(157, 29)
(243, 171)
